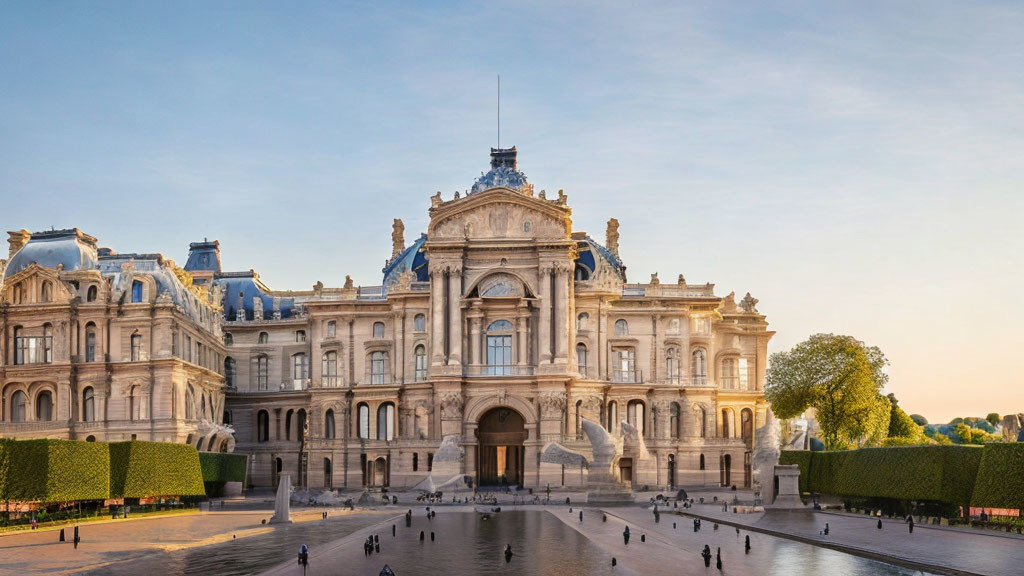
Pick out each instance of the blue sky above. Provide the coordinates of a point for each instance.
(856, 166)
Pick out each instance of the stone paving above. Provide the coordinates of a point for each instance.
(955, 551)
(106, 546)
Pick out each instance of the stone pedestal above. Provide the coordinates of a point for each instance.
(282, 508)
(788, 498)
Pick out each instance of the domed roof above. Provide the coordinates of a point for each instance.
(412, 258)
(72, 249)
(503, 173)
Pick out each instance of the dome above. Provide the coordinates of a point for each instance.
(590, 253)
(72, 249)
(413, 258)
(503, 173)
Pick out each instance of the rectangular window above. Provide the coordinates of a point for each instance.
(624, 369)
(743, 373)
(499, 355)
(378, 368)
(136, 291)
(136, 351)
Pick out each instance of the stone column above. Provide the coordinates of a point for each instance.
(437, 315)
(474, 337)
(521, 331)
(544, 330)
(455, 316)
(561, 311)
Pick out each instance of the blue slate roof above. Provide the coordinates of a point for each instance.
(587, 250)
(71, 249)
(203, 256)
(239, 290)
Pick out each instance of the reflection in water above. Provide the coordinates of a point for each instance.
(242, 557)
(466, 544)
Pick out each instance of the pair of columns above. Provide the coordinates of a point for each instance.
(555, 306)
(445, 296)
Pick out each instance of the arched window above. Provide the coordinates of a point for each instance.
(88, 404)
(90, 342)
(228, 339)
(18, 402)
(613, 416)
(91, 294)
(300, 335)
(46, 294)
(672, 365)
(581, 273)
(332, 329)
(701, 461)
(747, 427)
(136, 351)
(701, 417)
(728, 373)
(262, 371)
(136, 291)
(190, 402)
(420, 355)
(386, 421)
(621, 328)
(330, 369)
(582, 320)
(699, 367)
(364, 421)
(262, 426)
(44, 407)
(419, 323)
(378, 367)
(378, 330)
(727, 428)
(581, 359)
(300, 370)
(47, 343)
(674, 420)
(229, 372)
(263, 338)
(499, 348)
(329, 425)
(635, 413)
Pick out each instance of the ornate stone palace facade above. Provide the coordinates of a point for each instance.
(495, 333)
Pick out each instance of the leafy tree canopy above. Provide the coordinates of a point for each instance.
(993, 418)
(842, 379)
(919, 420)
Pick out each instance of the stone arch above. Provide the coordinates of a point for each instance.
(476, 407)
(496, 275)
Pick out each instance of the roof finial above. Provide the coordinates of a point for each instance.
(499, 110)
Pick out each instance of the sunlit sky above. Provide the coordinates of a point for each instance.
(858, 166)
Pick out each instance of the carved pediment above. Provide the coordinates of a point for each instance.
(27, 286)
(500, 213)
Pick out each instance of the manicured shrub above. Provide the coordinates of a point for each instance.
(1000, 481)
(219, 467)
(46, 470)
(146, 469)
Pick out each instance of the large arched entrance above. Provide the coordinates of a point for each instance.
(500, 436)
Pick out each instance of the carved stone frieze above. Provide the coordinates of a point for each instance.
(552, 404)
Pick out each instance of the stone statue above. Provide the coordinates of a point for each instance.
(397, 238)
(611, 239)
(605, 450)
(555, 453)
(749, 303)
(654, 279)
(435, 200)
(631, 437)
(766, 450)
(451, 405)
(318, 288)
(348, 283)
(543, 195)
(562, 198)
(681, 281)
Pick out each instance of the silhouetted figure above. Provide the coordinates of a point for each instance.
(673, 525)
(303, 557)
(508, 553)
(911, 524)
(604, 517)
(706, 554)
(62, 535)
(643, 537)
(737, 530)
(746, 545)
(826, 528)
(718, 559)
(392, 530)
(77, 539)
(879, 523)
(716, 525)
(614, 562)
(422, 535)
(625, 536)
(581, 515)
(431, 535)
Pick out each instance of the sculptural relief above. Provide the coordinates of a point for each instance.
(451, 405)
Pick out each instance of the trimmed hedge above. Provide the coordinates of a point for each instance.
(219, 467)
(148, 469)
(936, 473)
(46, 470)
(1000, 481)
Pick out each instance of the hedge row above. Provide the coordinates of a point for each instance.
(219, 467)
(1000, 482)
(46, 470)
(936, 473)
(53, 470)
(147, 469)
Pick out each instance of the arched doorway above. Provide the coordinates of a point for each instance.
(379, 476)
(500, 436)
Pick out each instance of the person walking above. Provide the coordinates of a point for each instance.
(625, 536)
(718, 559)
(706, 554)
(911, 524)
(826, 528)
(879, 523)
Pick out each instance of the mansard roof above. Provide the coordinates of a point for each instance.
(70, 249)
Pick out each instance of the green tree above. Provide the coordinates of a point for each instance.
(842, 379)
(901, 425)
(993, 418)
(919, 420)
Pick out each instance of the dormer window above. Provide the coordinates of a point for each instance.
(136, 291)
(91, 294)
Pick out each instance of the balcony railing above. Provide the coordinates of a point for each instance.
(627, 376)
(698, 380)
(729, 382)
(498, 370)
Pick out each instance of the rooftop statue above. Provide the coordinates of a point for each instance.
(397, 237)
(612, 237)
